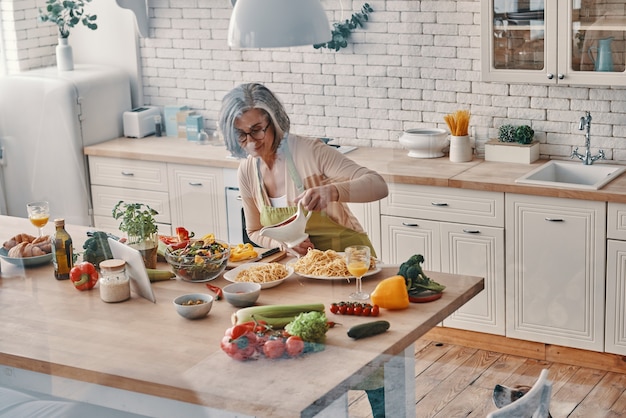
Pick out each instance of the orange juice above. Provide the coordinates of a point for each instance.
(358, 268)
(39, 220)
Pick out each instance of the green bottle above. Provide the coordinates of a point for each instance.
(62, 251)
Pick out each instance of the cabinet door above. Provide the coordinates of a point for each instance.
(555, 270)
(476, 251)
(616, 298)
(404, 237)
(197, 199)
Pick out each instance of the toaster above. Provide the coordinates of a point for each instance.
(140, 121)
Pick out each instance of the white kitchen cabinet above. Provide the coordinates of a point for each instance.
(555, 252)
(115, 179)
(457, 231)
(550, 42)
(197, 199)
(615, 327)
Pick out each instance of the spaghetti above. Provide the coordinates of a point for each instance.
(327, 263)
(263, 273)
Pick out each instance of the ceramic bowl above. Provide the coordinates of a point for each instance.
(242, 294)
(193, 305)
(425, 142)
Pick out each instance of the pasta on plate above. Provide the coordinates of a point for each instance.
(327, 263)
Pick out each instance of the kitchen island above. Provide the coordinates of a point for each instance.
(71, 345)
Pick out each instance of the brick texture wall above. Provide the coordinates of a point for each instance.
(414, 62)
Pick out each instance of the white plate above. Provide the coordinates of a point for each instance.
(231, 275)
(310, 276)
(26, 261)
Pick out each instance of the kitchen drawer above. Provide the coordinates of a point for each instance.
(444, 204)
(144, 175)
(616, 221)
(105, 198)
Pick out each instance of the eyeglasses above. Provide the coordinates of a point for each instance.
(256, 134)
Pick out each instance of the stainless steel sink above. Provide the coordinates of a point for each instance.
(572, 174)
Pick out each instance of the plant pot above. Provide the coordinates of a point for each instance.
(65, 58)
(511, 152)
(148, 250)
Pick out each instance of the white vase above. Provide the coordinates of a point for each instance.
(460, 149)
(65, 58)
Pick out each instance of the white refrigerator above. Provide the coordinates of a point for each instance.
(46, 118)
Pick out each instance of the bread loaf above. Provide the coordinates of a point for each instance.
(25, 249)
(13, 241)
(25, 245)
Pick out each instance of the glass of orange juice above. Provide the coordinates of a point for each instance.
(38, 214)
(358, 263)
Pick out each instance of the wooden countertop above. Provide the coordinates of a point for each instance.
(49, 327)
(393, 164)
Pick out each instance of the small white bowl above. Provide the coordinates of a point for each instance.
(425, 142)
(189, 310)
(242, 294)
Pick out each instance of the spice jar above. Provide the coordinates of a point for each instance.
(114, 283)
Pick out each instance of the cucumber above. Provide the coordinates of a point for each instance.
(159, 275)
(368, 329)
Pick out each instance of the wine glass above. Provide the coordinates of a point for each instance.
(38, 214)
(358, 263)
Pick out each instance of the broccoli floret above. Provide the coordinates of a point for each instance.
(416, 280)
(97, 248)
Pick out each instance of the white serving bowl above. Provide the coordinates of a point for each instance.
(425, 142)
(193, 311)
(242, 294)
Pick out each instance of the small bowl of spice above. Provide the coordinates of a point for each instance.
(193, 305)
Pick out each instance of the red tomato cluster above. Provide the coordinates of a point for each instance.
(354, 308)
(251, 340)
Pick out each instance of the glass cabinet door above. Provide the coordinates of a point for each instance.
(597, 41)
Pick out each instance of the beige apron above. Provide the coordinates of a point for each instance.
(324, 233)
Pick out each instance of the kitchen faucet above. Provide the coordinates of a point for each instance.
(587, 159)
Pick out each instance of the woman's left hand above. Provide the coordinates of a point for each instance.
(317, 198)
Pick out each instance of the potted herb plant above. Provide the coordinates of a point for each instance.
(66, 14)
(515, 144)
(138, 222)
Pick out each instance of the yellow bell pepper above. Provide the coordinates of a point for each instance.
(391, 293)
(242, 252)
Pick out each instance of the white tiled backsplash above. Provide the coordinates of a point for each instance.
(414, 62)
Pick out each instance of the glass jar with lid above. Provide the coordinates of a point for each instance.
(114, 283)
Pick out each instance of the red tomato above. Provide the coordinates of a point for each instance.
(241, 348)
(294, 346)
(375, 310)
(274, 348)
(84, 276)
(238, 330)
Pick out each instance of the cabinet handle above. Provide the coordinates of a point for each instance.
(471, 231)
(438, 204)
(409, 224)
(128, 173)
(554, 219)
(195, 183)
(561, 76)
(550, 76)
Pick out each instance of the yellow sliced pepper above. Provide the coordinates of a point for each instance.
(242, 252)
(391, 293)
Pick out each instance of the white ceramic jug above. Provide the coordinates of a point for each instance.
(290, 231)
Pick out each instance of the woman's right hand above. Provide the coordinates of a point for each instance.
(303, 247)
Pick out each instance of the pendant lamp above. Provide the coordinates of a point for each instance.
(278, 23)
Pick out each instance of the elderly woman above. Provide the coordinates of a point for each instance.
(282, 169)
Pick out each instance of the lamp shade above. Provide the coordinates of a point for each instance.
(278, 23)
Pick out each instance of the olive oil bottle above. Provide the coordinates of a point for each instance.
(63, 253)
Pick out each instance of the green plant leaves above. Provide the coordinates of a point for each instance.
(341, 31)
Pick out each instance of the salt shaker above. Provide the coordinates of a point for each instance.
(114, 283)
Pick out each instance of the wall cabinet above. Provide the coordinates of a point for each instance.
(457, 231)
(615, 339)
(555, 252)
(569, 42)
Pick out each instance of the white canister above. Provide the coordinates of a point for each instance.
(460, 149)
(114, 283)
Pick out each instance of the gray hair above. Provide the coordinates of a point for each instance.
(246, 97)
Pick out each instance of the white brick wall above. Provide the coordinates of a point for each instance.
(414, 62)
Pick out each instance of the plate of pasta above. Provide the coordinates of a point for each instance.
(266, 274)
(327, 265)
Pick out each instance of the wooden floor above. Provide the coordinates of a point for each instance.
(455, 381)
